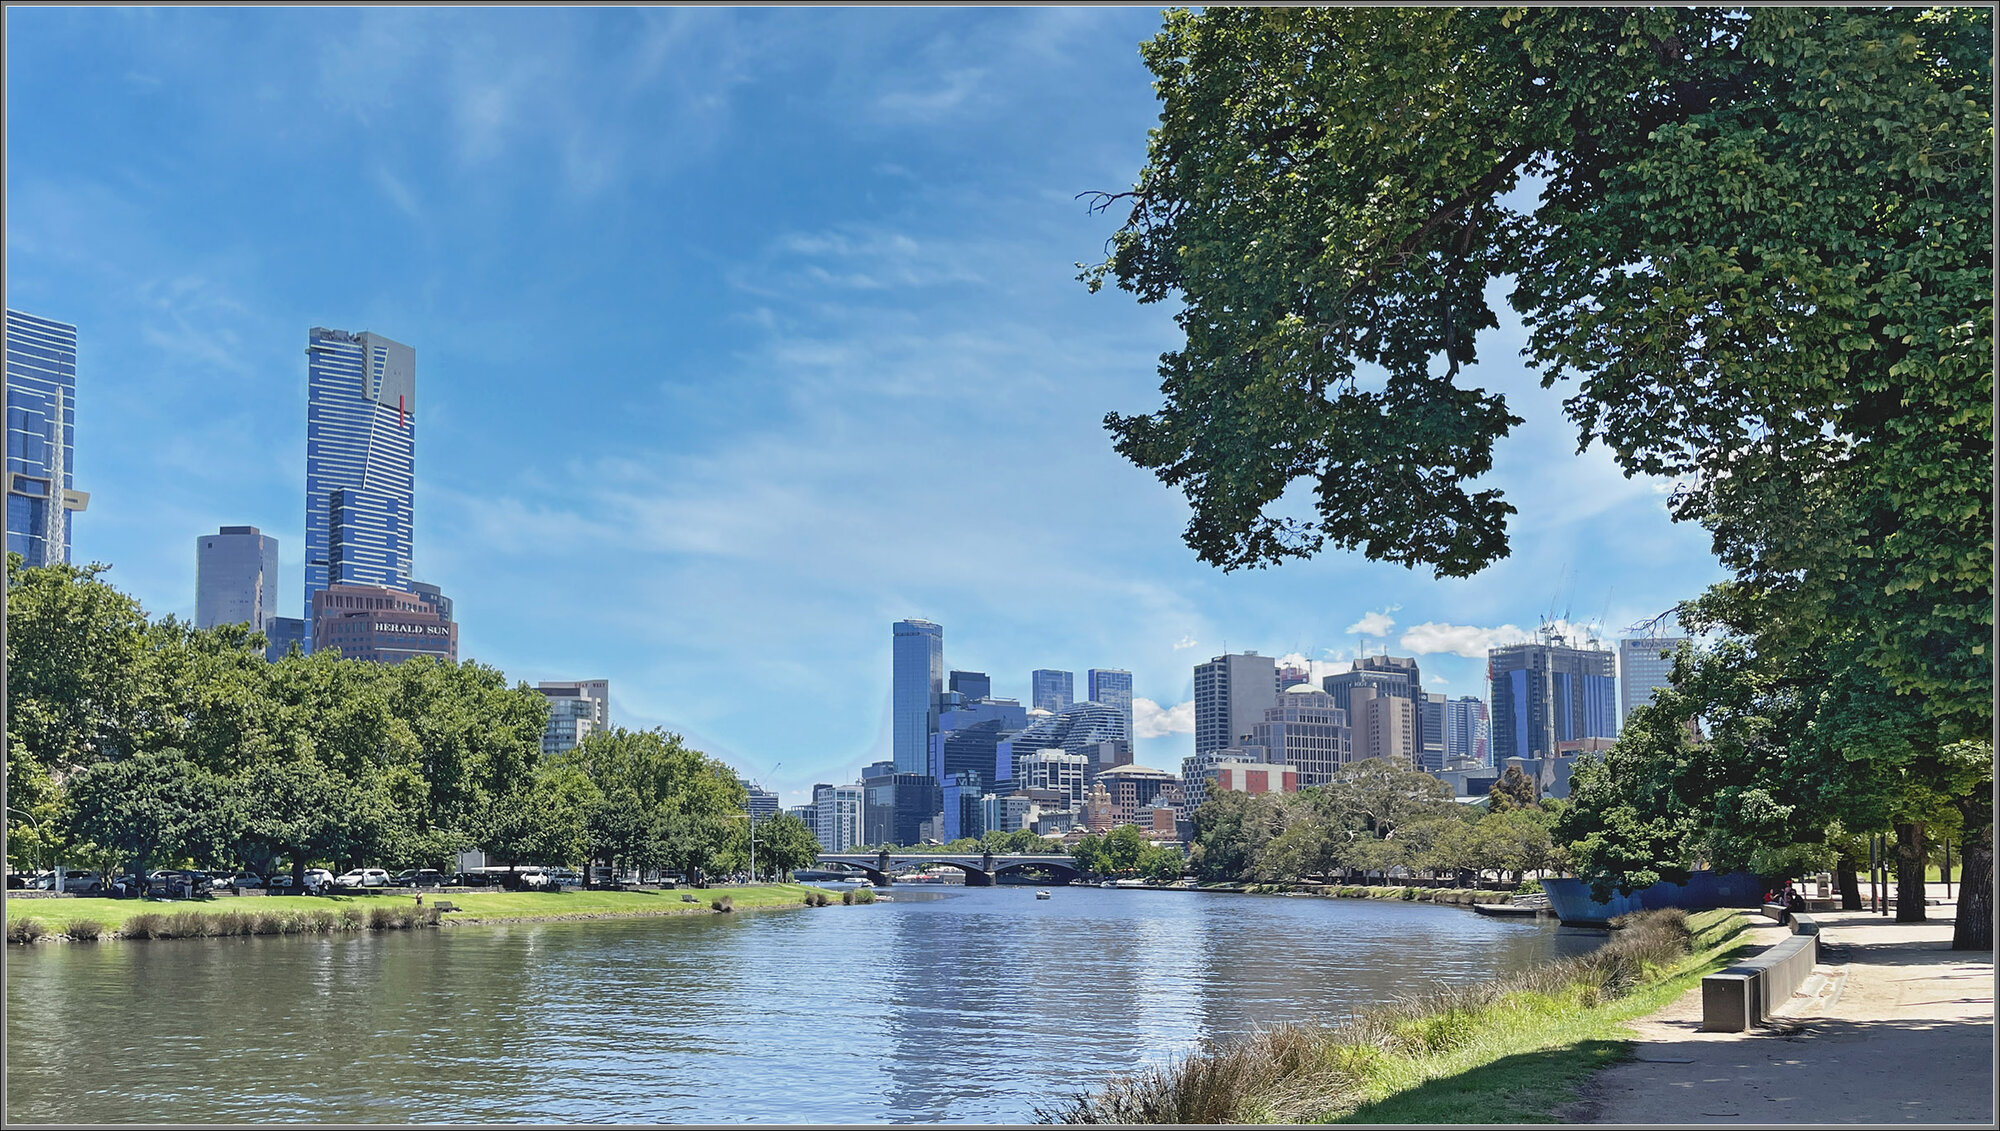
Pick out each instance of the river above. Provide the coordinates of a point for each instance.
(961, 1005)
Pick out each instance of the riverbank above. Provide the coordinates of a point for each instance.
(89, 918)
(1501, 1052)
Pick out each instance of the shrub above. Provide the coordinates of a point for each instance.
(352, 919)
(84, 930)
(809, 899)
(381, 918)
(847, 897)
(25, 930)
(723, 903)
(864, 895)
(233, 922)
(187, 925)
(146, 925)
(319, 921)
(267, 923)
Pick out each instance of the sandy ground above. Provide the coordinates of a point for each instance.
(1894, 1027)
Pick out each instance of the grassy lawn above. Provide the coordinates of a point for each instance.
(1526, 1058)
(487, 906)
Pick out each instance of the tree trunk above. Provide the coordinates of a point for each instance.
(1848, 875)
(1974, 928)
(1912, 860)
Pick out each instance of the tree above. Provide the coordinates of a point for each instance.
(153, 809)
(785, 844)
(1331, 192)
(1512, 790)
(74, 651)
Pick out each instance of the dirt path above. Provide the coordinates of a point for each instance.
(1898, 1029)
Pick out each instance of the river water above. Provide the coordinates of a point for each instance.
(965, 1005)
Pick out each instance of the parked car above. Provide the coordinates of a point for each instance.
(77, 883)
(242, 880)
(362, 878)
(281, 884)
(420, 878)
(565, 878)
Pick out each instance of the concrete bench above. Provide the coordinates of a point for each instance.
(1746, 994)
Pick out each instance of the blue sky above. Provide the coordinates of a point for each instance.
(740, 335)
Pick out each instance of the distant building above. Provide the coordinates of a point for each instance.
(1132, 790)
(1644, 666)
(964, 815)
(1430, 707)
(361, 413)
(1080, 728)
(235, 578)
(1051, 690)
(1052, 769)
(1291, 675)
(1099, 814)
(1245, 777)
(1198, 772)
(916, 684)
(1467, 731)
(895, 805)
(974, 686)
(1384, 726)
(382, 625)
(577, 710)
(1544, 694)
(1113, 688)
(837, 816)
(1307, 731)
(41, 438)
(1231, 694)
(1006, 814)
(283, 633)
(969, 735)
(760, 803)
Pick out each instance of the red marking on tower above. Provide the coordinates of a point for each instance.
(401, 417)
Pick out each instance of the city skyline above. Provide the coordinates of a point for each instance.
(703, 458)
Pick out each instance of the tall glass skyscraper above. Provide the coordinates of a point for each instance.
(235, 578)
(361, 422)
(1113, 688)
(914, 687)
(1644, 666)
(41, 438)
(1051, 690)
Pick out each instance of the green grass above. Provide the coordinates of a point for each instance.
(1512, 1051)
(485, 906)
(1527, 1057)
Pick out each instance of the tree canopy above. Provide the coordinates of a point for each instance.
(1756, 244)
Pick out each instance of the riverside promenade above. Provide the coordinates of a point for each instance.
(1895, 1027)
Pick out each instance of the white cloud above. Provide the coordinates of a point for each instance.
(1473, 642)
(1185, 642)
(1374, 624)
(1150, 720)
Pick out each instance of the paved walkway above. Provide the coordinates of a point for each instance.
(1895, 1027)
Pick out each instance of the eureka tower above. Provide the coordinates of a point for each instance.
(361, 418)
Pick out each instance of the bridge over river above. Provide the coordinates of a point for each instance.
(982, 869)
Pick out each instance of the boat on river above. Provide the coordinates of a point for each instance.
(1041, 895)
(1503, 910)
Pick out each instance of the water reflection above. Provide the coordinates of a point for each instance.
(969, 1005)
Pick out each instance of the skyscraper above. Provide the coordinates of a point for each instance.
(1466, 732)
(41, 438)
(1430, 730)
(974, 686)
(1644, 666)
(1113, 688)
(915, 684)
(361, 416)
(1307, 730)
(1546, 694)
(1231, 694)
(1051, 690)
(235, 578)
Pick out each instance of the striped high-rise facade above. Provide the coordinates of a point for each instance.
(361, 420)
(41, 438)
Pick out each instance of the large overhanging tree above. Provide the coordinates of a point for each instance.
(1757, 242)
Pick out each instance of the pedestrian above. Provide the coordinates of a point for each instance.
(420, 901)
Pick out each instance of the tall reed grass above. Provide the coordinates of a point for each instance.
(1307, 1073)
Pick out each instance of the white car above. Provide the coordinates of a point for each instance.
(363, 878)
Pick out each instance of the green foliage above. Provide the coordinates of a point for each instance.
(1372, 817)
(785, 844)
(1514, 789)
(153, 809)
